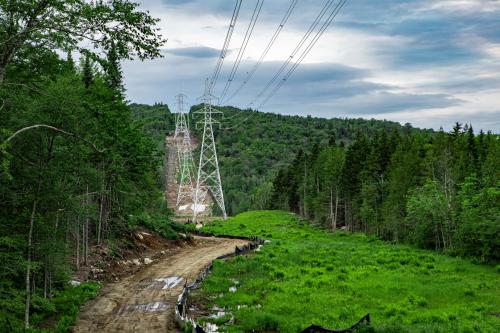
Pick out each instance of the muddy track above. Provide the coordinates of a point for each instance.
(145, 301)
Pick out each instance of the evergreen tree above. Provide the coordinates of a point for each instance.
(114, 76)
(87, 71)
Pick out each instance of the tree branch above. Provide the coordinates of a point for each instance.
(54, 129)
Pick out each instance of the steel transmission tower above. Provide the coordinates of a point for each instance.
(180, 119)
(208, 180)
(185, 193)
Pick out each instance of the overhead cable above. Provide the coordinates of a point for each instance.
(241, 52)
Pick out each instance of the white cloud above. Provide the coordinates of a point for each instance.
(429, 93)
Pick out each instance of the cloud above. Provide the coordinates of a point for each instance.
(386, 102)
(430, 62)
(194, 52)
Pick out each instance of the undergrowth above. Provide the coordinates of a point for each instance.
(160, 223)
(63, 307)
(306, 276)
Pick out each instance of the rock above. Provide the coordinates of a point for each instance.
(232, 289)
(147, 261)
(74, 283)
(183, 235)
(267, 241)
(139, 236)
(136, 262)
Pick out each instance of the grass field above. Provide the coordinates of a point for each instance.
(306, 275)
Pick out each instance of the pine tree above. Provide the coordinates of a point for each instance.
(114, 75)
(87, 71)
(331, 140)
(472, 150)
(70, 63)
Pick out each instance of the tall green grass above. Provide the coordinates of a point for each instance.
(310, 276)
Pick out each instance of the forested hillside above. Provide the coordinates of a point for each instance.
(253, 145)
(438, 191)
(434, 189)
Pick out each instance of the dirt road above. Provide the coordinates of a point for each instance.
(145, 301)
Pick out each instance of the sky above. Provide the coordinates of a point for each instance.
(427, 62)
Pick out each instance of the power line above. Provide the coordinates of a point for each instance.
(242, 121)
(270, 44)
(225, 46)
(246, 39)
(311, 44)
(313, 26)
(309, 47)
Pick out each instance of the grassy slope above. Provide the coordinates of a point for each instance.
(306, 275)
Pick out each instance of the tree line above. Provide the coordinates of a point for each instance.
(74, 163)
(253, 146)
(435, 190)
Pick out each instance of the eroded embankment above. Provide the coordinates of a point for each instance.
(145, 301)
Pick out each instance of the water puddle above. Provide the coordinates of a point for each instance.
(166, 283)
(211, 328)
(148, 307)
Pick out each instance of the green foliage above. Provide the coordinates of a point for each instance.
(82, 160)
(479, 219)
(434, 190)
(428, 216)
(63, 305)
(306, 275)
(254, 146)
(72, 24)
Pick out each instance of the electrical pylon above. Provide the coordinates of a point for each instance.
(185, 193)
(208, 180)
(180, 118)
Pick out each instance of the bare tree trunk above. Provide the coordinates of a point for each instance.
(28, 266)
(305, 189)
(332, 218)
(336, 210)
(77, 241)
(101, 209)
(346, 217)
(45, 279)
(2, 74)
(87, 228)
